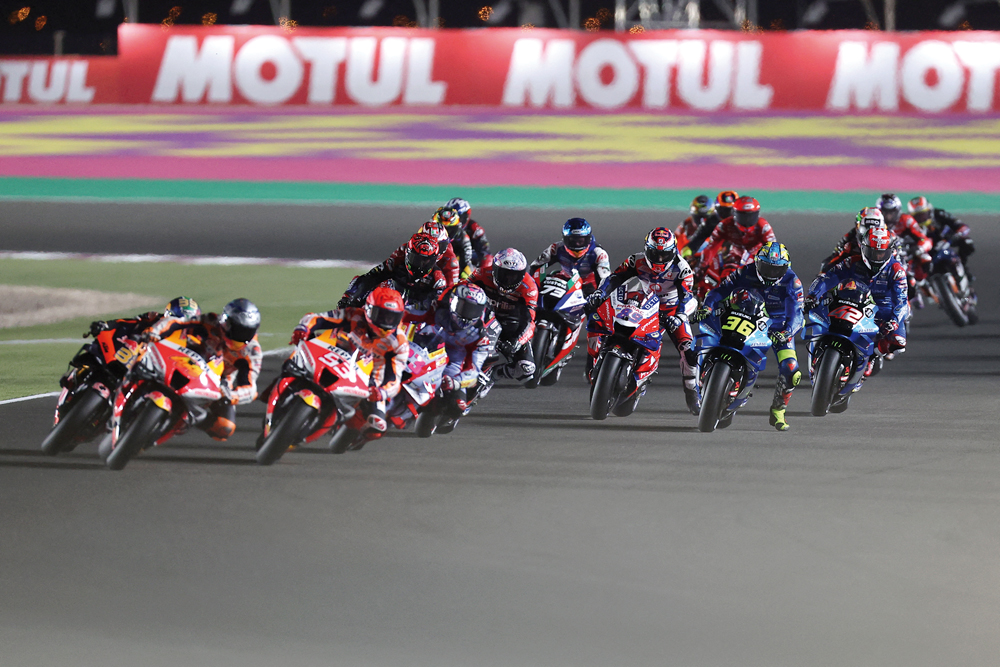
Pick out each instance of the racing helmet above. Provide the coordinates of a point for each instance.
(383, 309)
(466, 305)
(577, 237)
(436, 229)
(509, 267)
(462, 207)
(876, 248)
(868, 218)
(890, 206)
(724, 203)
(421, 254)
(660, 249)
(701, 206)
(772, 262)
(183, 308)
(746, 212)
(240, 320)
(921, 210)
(450, 219)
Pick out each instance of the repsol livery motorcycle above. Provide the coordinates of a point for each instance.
(558, 322)
(951, 287)
(630, 352)
(319, 385)
(84, 405)
(732, 351)
(165, 391)
(841, 332)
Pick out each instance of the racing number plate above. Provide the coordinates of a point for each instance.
(739, 324)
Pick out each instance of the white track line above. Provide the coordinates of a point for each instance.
(29, 398)
(30, 341)
(197, 260)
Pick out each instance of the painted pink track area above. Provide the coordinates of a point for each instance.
(787, 152)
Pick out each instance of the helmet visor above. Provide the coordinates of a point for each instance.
(419, 264)
(771, 272)
(657, 256)
(240, 332)
(465, 309)
(507, 279)
(874, 256)
(577, 242)
(746, 218)
(384, 318)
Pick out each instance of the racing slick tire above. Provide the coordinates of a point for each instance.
(285, 433)
(949, 300)
(427, 421)
(140, 434)
(604, 387)
(63, 435)
(540, 346)
(713, 397)
(824, 386)
(343, 439)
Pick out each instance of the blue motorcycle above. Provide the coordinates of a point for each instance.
(951, 286)
(732, 346)
(841, 332)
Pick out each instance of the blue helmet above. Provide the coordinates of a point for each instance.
(577, 236)
(772, 262)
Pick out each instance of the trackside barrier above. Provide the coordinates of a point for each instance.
(512, 69)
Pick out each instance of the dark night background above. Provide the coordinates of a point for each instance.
(88, 33)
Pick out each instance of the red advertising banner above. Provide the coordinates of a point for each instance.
(661, 71)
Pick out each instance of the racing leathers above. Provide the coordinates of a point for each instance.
(744, 242)
(124, 327)
(241, 367)
(480, 244)
(888, 289)
(468, 348)
(946, 227)
(463, 249)
(783, 301)
(694, 230)
(388, 354)
(420, 292)
(673, 287)
(593, 267)
(515, 312)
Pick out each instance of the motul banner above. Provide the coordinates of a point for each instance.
(663, 71)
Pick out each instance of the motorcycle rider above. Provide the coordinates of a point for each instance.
(745, 231)
(906, 228)
(879, 269)
(702, 208)
(462, 320)
(231, 336)
(447, 260)
(578, 250)
(375, 329)
(513, 296)
(943, 226)
(849, 246)
(664, 273)
(724, 203)
(462, 245)
(473, 230)
(771, 277)
(412, 271)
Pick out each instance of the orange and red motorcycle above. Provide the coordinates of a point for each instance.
(166, 390)
(319, 387)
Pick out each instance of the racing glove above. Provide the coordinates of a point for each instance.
(149, 337)
(886, 328)
(594, 302)
(670, 322)
(97, 327)
(686, 252)
(506, 348)
(701, 314)
(810, 301)
(299, 334)
(466, 272)
(447, 384)
(778, 337)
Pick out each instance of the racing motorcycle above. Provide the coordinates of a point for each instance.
(732, 351)
(841, 332)
(424, 370)
(84, 404)
(319, 386)
(630, 352)
(950, 286)
(164, 392)
(558, 322)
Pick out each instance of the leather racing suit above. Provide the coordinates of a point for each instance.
(515, 312)
(593, 267)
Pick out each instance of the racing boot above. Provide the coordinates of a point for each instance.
(783, 388)
(693, 399)
(777, 419)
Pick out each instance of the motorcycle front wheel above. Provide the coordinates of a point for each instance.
(604, 387)
(824, 387)
(285, 433)
(714, 395)
(949, 300)
(541, 349)
(427, 420)
(83, 412)
(141, 433)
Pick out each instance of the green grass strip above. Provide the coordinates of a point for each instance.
(82, 189)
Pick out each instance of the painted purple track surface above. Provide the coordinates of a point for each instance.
(790, 152)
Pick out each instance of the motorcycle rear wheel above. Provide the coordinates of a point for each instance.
(541, 349)
(713, 397)
(604, 387)
(62, 436)
(343, 439)
(824, 387)
(285, 433)
(141, 433)
(949, 300)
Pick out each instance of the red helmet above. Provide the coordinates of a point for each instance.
(921, 210)
(421, 254)
(384, 309)
(437, 230)
(746, 211)
(876, 248)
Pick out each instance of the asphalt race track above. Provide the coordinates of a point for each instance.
(532, 535)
